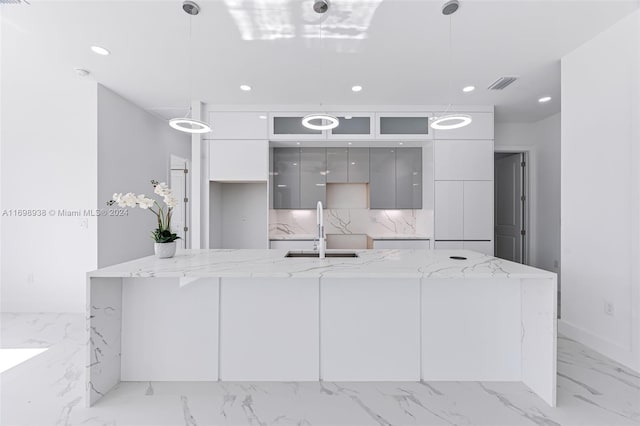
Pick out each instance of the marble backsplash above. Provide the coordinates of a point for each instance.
(352, 221)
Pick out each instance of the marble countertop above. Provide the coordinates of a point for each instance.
(369, 264)
(305, 237)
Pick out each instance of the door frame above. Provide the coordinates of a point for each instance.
(528, 153)
(180, 163)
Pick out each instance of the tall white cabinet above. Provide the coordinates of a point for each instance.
(463, 193)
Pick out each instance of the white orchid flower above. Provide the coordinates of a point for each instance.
(144, 202)
(128, 200)
(170, 201)
(117, 196)
(162, 189)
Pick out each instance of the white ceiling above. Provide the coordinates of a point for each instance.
(397, 49)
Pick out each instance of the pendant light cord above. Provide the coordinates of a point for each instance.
(190, 68)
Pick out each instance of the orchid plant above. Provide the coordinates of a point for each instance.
(162, 234)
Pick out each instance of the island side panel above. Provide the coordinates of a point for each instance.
(539, 337)
(269, 329)
(370, 329)
(104, 324)
(169, 331)
(471, 329)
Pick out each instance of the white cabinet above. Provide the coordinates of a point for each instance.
(463, 159)
(291, 244)
(478, 210)
(481, 127)
(449, 210)
(238, 125)
(464, 215)
(239, 160)
(401, 244)
(449, 245)
(370, 338)
(269, 329)
(403, 126)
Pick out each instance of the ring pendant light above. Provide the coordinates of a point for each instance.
(446, 121)
(320, 120)
(188, 124)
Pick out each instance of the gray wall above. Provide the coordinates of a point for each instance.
(133, 148)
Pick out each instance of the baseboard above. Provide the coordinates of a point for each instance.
(603, 346)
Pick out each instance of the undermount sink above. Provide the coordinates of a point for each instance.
(316, 254)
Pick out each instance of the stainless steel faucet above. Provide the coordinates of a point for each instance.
(322, 243)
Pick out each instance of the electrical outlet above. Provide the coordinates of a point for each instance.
(609, 308)
(555, 264)
(30, 278)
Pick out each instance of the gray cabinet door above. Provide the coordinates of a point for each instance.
(292, 126)
(409, 178)
(382, 178)
(358, 165)
(337, 165)
(286, 179)
(313, 168)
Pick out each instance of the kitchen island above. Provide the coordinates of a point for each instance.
(386, 315)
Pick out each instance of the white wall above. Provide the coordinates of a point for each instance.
(601, 192)
(542, 140)
(49, 161)
(134, 147)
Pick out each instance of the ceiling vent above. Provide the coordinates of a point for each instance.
(502, 83)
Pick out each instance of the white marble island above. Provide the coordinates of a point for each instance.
(387, 315)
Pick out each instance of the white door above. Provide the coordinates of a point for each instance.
(508, 207)
(178, 185)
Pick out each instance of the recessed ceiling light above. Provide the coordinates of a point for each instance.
(350, 143)
(100, 50)
(356, 88)
(469, 89)
(263, 117)
(297, 143)
(347, 117)
(400, 143)
(245, 87)
(544, 99)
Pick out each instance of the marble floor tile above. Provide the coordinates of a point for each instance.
(49, 390)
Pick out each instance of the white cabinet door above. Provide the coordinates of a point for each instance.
(449, 210)
(401, 244)
(449, 245)
(478, 210)
(369, 329)
(239, 160)
(291, 244)
(269, 329)
(463, 159)
(485, 247)
(481, 127)
(238, 125)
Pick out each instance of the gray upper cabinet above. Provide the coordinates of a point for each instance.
(403, 126)
(313, 167)
(382, 178)
(287, 126)
(337, 165)
(409, 178)
(358, 165)
(356, 126)
(286, 178)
